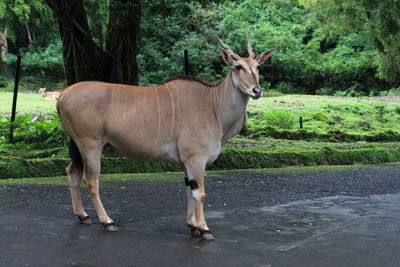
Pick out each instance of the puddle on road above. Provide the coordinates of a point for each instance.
(285, 227)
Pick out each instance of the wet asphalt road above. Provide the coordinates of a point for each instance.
(313, 217)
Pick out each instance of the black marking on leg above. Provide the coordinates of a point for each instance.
(192, 183)
(82, 219)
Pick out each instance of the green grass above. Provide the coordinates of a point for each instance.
(323, 114)
(26, 103)
(272, 144)
(336, 131)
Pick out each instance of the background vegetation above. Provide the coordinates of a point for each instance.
(322, 47)
(336, 130)
(333, 47)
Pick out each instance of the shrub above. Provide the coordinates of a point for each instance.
(321, 117)
(43, 130)
(286, 88)
(281, 119)
(325, 91)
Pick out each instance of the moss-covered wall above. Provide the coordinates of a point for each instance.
(15, 167)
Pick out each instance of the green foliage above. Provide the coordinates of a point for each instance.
(25, 18)
(325, 118)
(43, 131)
(322, 47)
(14, 167)
(281, 119)
(43, 61)
(304, 60)
(374, 23)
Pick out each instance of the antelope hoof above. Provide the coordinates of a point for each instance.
(207, 235)
(84, 220)
(110, 227)
(195, 232)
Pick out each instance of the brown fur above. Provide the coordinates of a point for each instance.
(185, 120)
(49, 95)
(194, 79)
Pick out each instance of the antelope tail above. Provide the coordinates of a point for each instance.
(75, 155)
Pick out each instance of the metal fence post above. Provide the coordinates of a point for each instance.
(186, 56)
(14, 104)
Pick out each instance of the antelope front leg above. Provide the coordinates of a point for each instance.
(191, 210)
(196, 197)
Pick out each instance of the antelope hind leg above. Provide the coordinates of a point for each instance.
(74, 178)
(91, 178)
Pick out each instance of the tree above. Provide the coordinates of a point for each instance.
(378, 21)
(121, 41)
(19, 23)
(84, 59)
(3, 51)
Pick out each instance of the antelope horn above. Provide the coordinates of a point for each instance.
(230, 51)
(249, 47)
(223, 44)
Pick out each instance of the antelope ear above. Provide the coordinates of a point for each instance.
(226, 56)
(261, 58)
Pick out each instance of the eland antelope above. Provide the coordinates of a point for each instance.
(185, 120)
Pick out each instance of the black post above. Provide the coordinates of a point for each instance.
(301, 122)
(14, 105)
(186, 56)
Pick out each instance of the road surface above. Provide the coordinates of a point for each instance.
(346, 216)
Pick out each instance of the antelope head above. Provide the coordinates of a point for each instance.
(42, 91)
(245, 70)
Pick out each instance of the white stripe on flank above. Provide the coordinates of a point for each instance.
(173, 112)
(159, 117)
(179, 110)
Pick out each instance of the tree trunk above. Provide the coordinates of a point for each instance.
(3, 52)
(83, 58)
(121, 40)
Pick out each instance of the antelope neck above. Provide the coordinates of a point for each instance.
(229, 105)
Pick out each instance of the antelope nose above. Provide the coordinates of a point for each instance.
(257, 92)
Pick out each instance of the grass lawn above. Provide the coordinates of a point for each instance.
(26, 103)
(353, 129)
(319, 113)
(326, 113)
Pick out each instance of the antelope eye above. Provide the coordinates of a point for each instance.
(238, 67)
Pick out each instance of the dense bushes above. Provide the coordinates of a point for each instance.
(306, 60)
(42, 63)
(41, 130)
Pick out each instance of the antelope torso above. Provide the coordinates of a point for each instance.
(163, 122)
